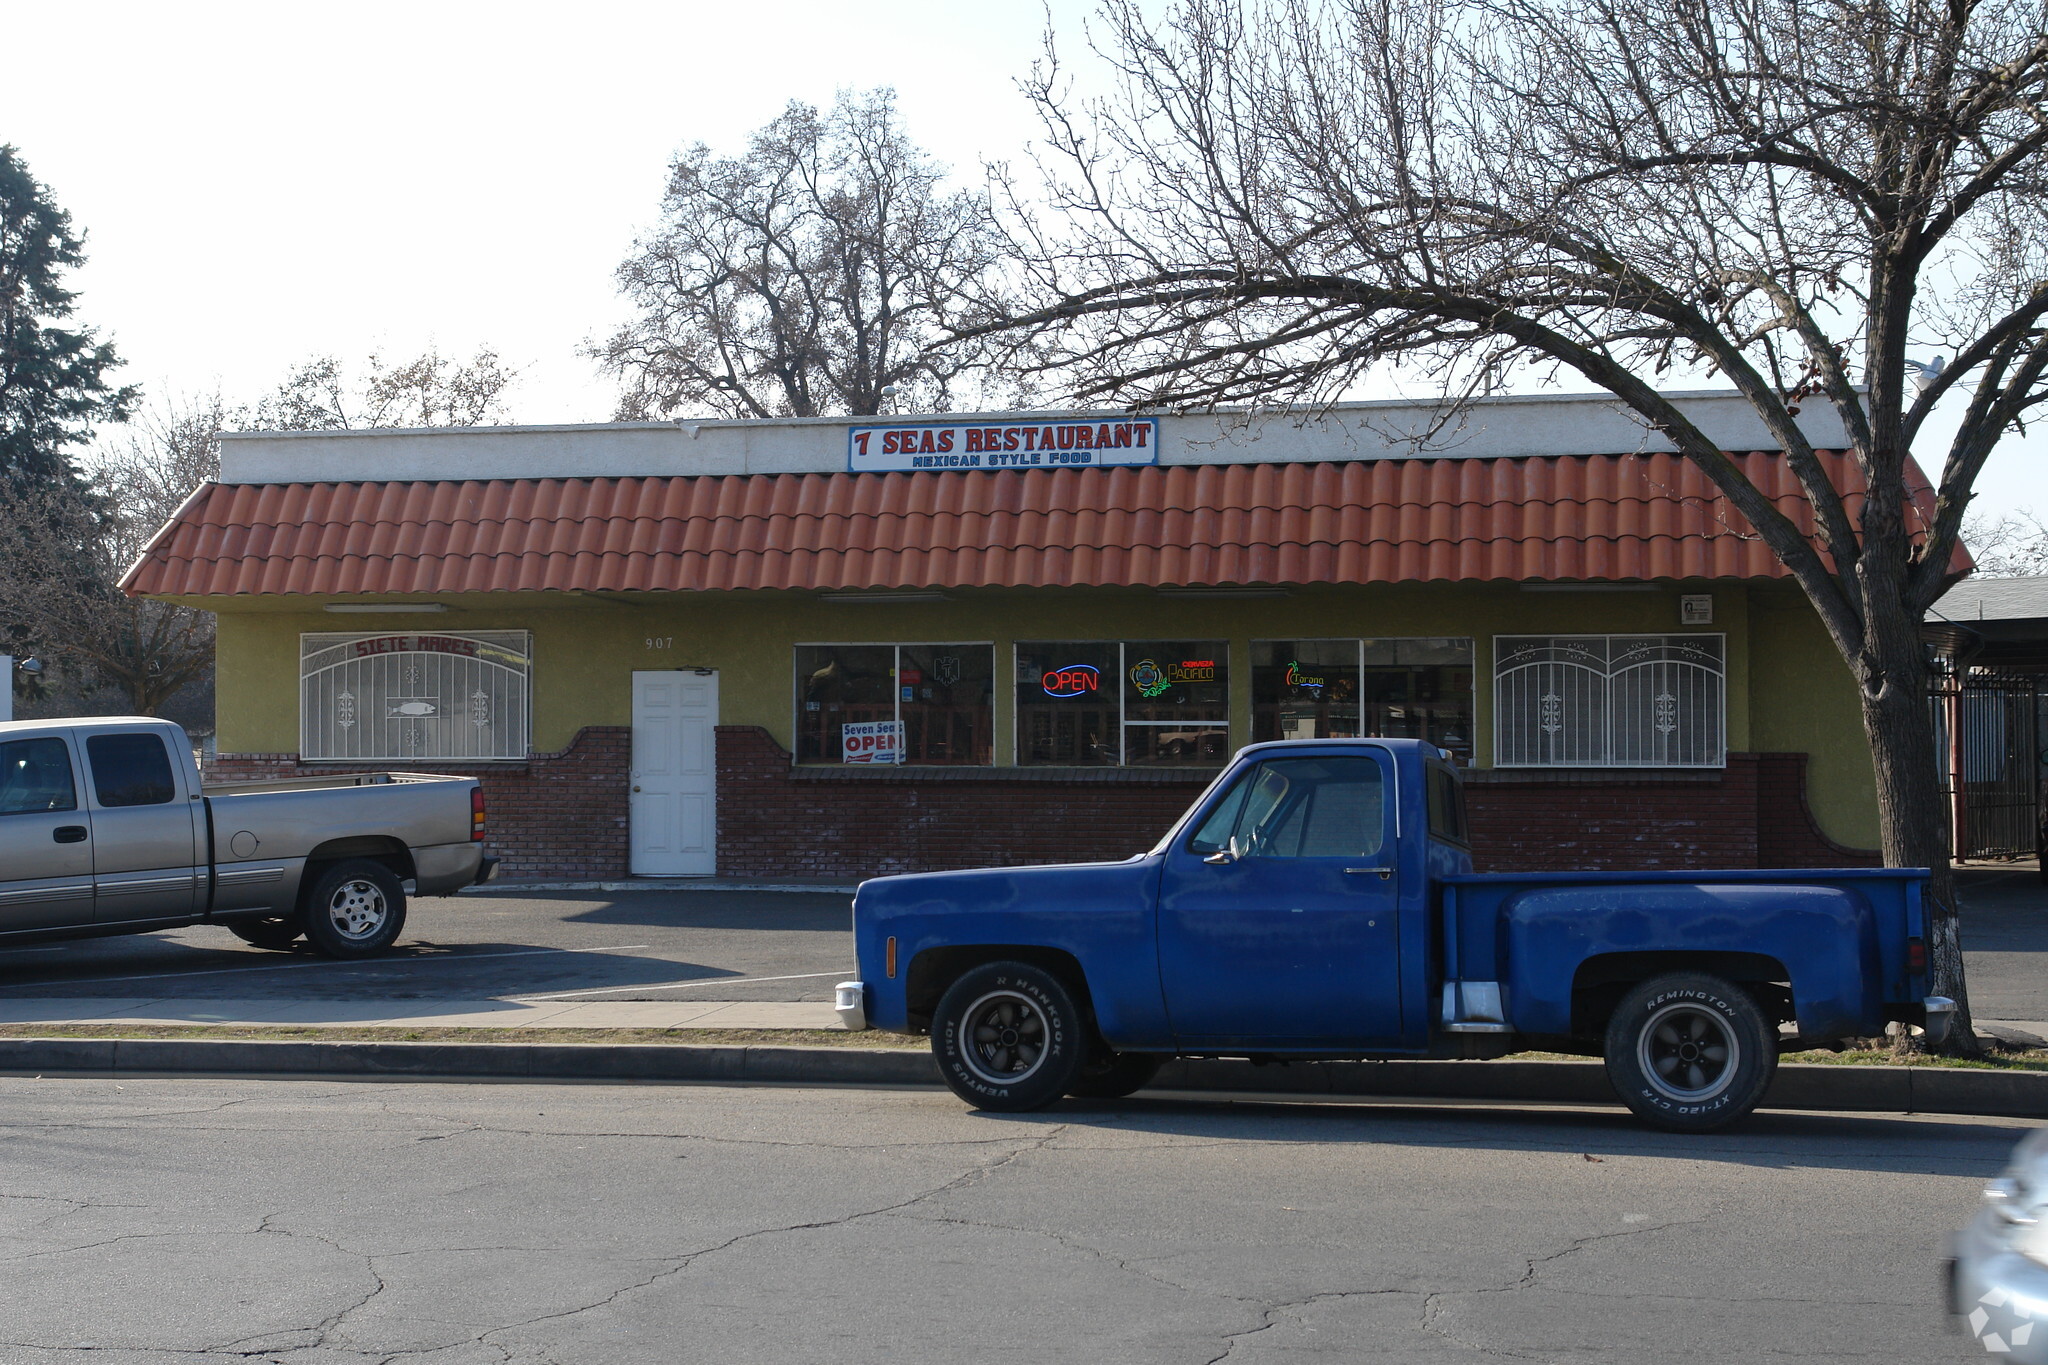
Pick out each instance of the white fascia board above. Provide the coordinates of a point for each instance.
(1512, 427)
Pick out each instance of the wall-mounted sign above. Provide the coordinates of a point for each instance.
(1074, 680)
(1002, 445)
(871, 741)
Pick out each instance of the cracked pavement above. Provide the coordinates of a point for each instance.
(321, 1223)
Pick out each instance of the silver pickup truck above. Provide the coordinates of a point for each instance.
(106, 829)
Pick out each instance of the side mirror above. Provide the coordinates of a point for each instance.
(1226, 855)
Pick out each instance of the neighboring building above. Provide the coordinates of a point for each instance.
(680, 648)
(1991, 641)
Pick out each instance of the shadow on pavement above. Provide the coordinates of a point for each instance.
(1877, 1143)
(410, 971)
(770, 911)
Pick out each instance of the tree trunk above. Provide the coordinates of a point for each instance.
(1912, 817)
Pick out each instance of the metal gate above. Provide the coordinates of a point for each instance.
(1988, 736)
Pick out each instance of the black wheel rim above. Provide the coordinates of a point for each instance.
(1002, 1037)
(1688, 1053)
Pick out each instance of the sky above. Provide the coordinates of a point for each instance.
(264, 183)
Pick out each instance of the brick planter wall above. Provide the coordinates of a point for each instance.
(554, 816)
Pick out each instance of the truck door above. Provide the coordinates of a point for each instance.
(143, 834)
(45, 840)
(1277, 915)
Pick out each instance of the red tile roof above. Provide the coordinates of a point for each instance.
(1578, 518)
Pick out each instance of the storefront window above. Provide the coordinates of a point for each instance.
(1145, 702)
(906, 703)
(404, 698)
(1609, 701)
(1415, 688)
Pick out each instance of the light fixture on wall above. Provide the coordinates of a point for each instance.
(1219, 593)
(870, 598)
(381, 608)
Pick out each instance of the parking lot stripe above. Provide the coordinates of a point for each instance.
(673, 985)
(291, 966)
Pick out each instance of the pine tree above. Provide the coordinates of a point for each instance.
(53, 379)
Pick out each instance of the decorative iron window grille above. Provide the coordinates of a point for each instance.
(413, 698)
(1610, 701)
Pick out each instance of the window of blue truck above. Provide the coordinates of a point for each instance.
(1406, 688)
(130, 770)
(1154, 703)
(1446, 805)
(939, 697)
(35, 775)
(1609, 701)
(1325, 807)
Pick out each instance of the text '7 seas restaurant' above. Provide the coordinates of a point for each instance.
(833, 648)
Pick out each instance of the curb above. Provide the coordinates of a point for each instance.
(1849, 1089)
(646, 884)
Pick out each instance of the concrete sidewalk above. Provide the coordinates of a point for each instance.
(417, 1014)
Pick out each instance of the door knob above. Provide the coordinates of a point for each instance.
(69, 834)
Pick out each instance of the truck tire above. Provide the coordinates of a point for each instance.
(1112, 1075)
(1007, 1037)
(355, 908)
(1689, 1052)
(275, 932)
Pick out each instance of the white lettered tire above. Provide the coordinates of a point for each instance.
(1690, 1052)
(1007, 1036)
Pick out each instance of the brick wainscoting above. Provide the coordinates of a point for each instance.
(779, 821)
(775, 820)
(1751, 814)
(555, 815)
(565, 815)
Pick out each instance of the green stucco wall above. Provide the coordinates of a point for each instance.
(1803, 700)
(1797, 697)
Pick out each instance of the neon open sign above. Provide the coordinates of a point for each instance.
(1073, 680)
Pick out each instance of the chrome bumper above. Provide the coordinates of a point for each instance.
(2000, 1296)
(850, 1002)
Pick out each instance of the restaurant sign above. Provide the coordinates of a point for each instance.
(875, 741)
(1041, 444)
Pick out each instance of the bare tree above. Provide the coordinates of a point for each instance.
(70, 545)
(429, 390)
(2010, 546)
(806, 276)
(1789, 194)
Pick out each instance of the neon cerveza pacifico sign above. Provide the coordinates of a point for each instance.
(1043, 444)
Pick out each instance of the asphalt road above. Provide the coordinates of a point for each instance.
(209, 1222)
(626, 946)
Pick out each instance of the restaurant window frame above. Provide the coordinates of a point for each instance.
(1652, 700)
(342, 687)
(985, 743)
(1427, 708)
(1203, 742)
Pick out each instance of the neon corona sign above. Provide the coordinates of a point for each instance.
(1071, 680)
(1298, 677)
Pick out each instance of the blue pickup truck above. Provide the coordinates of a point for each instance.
(1318, 903)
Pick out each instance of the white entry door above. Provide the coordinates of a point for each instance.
(675, 831)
